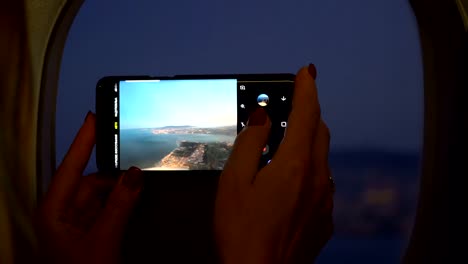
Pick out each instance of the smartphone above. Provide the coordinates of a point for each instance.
(184, 122)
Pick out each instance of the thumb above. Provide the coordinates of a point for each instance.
(247, 150)
(110, 225)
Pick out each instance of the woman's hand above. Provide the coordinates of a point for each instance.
(82, 218)
(282, 213)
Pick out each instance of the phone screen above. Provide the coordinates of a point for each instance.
(177, 124)
(183, 124)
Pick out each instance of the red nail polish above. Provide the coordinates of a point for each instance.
(133, 178)
(258, 117)
(312, 71)
(88, 115)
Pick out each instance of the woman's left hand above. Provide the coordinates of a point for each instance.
(83, 218)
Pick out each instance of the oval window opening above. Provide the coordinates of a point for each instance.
(370, 85)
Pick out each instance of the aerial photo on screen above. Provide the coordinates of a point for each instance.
(177, 125)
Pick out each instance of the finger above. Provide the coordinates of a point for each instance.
(319, 178)
(311, 174)
(243, 162)
(315, 202)
(91, 187)
(86, 219)
(111, 223)
(88, 196)
(303, 119)
(68, 175)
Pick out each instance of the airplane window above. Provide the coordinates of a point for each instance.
(368, 58)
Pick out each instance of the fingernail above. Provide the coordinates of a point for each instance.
(133, 179)
(258, 117)
(88, 114)
(313, 71)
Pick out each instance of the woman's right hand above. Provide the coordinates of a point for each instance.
(283, 212)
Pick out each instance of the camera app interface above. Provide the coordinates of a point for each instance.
(177, 124)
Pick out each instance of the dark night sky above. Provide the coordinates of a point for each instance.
(366, 51)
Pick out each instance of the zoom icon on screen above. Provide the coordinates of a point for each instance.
(263, 100)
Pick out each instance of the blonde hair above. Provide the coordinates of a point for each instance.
(17, 137)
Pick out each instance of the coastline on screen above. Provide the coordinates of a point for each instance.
(177, 124)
